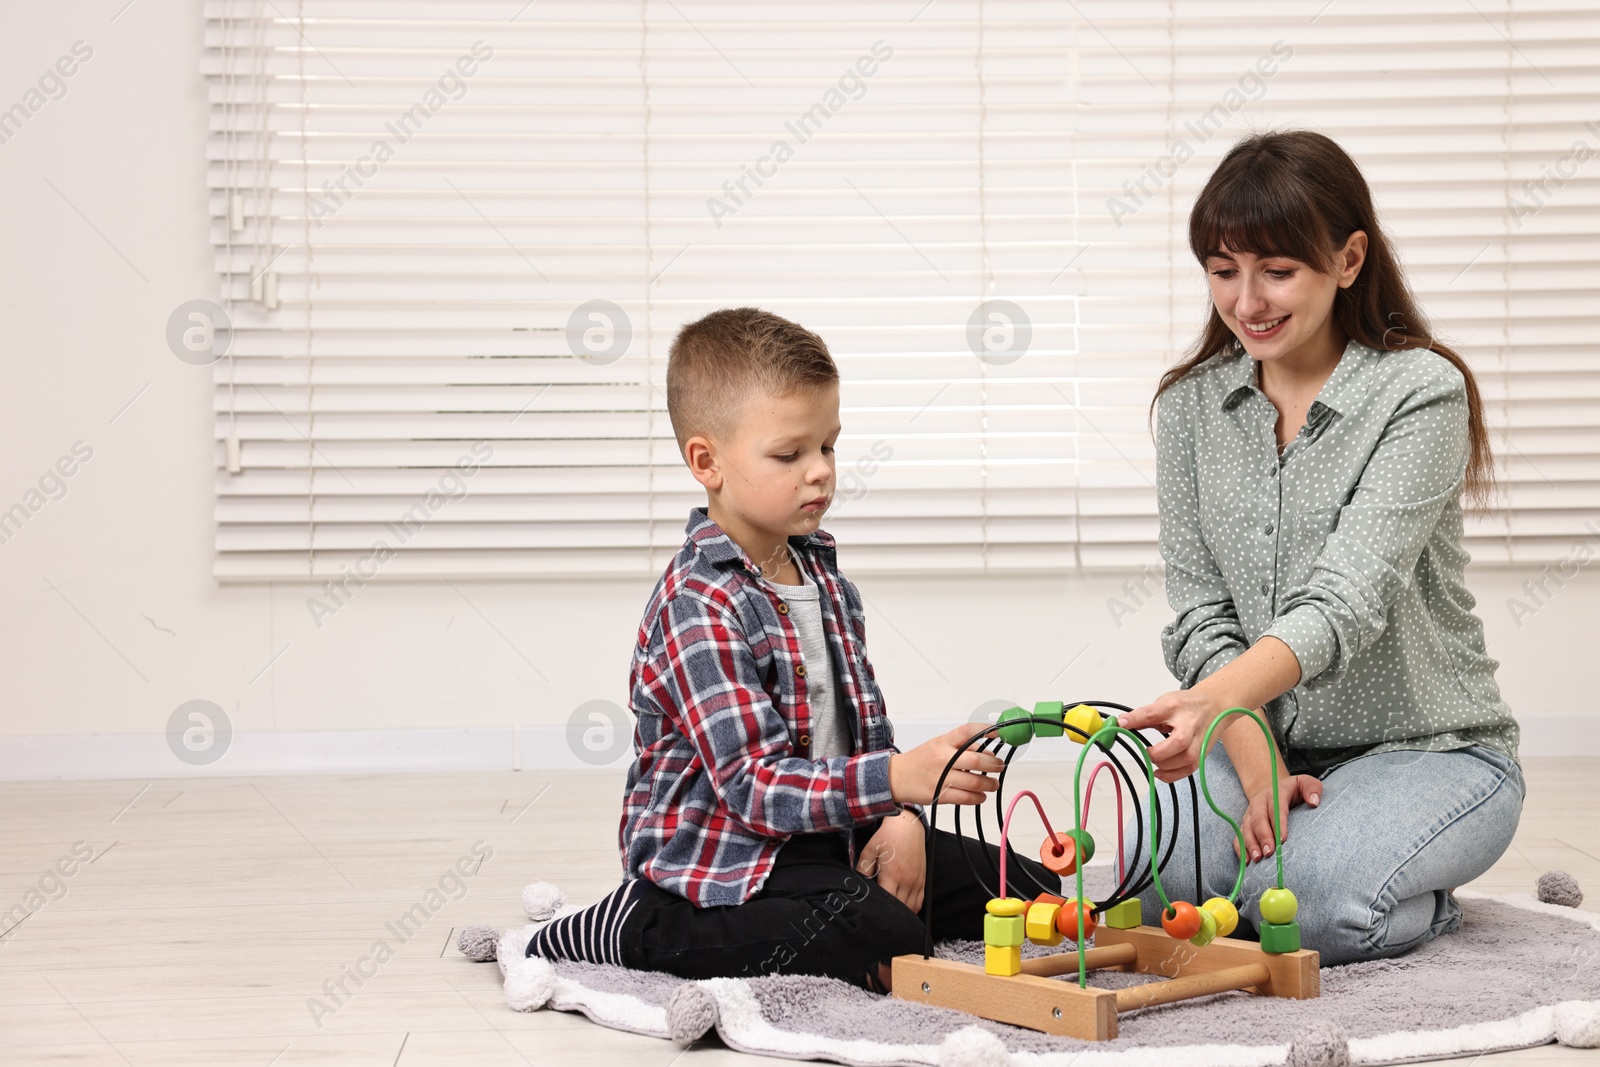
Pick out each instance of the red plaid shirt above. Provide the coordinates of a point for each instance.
(722, 772)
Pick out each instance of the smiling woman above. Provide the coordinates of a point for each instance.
(1313, 452)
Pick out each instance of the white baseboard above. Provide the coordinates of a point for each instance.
(278, 752)
(501, 748)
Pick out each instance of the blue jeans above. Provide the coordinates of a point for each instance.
(1372, 865)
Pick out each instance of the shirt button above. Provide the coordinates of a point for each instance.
(1268, 528)
(805, 740)
(800, 668)
(783, 609)
(1265, 588)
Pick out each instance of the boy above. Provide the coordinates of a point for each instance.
(766, 825)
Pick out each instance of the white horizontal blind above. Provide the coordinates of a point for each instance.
(876, 172)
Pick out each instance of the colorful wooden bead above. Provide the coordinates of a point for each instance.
(1059, 853)
(1005, 906)
(1279, 906)
(1280, 937)
(1208, 929)
(1015, 729)
(1049, 898)
(1003, 931)
(1083, 721)
(1002, 961)
(1048, 709)
(1181, 921)
(1042, 923)
(1224, 912)
(1124, 916)
(1067, 919)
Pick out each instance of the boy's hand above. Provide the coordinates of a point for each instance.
(897, 858)
(1293, 789)
(913, 774)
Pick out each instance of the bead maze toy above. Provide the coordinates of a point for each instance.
(1192, 949)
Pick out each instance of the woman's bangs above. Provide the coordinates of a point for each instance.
(1244, 216)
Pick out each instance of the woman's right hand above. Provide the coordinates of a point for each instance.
(1293, 789)
(913, 774)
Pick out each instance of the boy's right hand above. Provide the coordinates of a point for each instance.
(913, 774)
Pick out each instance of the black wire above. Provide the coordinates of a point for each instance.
(1117, 895)
(1133, 793)
(1194, 802)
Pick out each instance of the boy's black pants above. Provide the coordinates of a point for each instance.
(817, 915)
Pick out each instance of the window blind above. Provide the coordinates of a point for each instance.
(455, 240)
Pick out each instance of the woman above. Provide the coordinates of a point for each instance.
(1313, 453)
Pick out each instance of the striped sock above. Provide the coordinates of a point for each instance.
(593, 935)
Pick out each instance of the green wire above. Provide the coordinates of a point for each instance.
(1110, 730)
(1277, 831)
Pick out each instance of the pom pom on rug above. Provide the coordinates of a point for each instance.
(1559, 887)
(973, 1046)
(691, 1013)
(541, 900)
(530, 982)
(479, 943)
(1320, 1044)
(513, 946)
(1578, 1024)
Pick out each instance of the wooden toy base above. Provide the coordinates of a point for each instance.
(1035, 1000)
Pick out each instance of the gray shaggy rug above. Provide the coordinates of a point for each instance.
(1518, 973)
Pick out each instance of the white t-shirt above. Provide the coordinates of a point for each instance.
(830, 730)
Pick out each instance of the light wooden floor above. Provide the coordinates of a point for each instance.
(215, 909)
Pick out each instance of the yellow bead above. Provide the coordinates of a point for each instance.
(1082, 722)
(1042, 924)
(1002, 931)
(1224, 912)
(1006, 906)
(1208, 929)
(1002, 961)
(1125, 916)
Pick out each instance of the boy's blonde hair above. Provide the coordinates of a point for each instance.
(718, 362)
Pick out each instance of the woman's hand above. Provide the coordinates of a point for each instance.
(1184, 716)
(1293, 790)
(896, 857)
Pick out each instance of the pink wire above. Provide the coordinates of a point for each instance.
(1088, 798)
(1005, 829)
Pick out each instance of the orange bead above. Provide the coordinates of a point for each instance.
(1183, 921)
(1067, 918)
(1059, 853)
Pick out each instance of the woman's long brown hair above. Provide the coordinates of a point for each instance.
(1296, 193)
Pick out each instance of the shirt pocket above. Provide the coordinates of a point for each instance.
(1308, 531)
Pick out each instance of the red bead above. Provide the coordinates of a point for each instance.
(1182, 921)
(1067, 919)
(1059, 853)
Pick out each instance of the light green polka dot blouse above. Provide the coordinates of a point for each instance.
(1347, 548)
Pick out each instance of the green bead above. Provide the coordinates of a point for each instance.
(1015, 729)
(1278, 906)
(1004, 931)
(1125, 916)
(1208, 929)
(1054, 710)
(1085, 844)
(1280, 937)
